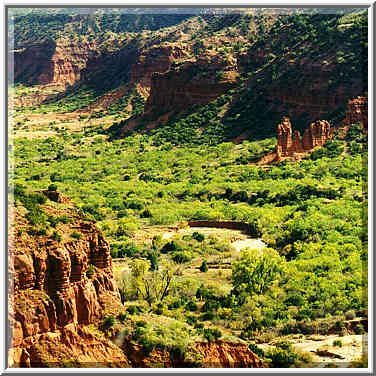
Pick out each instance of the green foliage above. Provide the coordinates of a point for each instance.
(282, 356)
(122, 316)
(52, 187)
(56, 236)
(181, 257)
(256, 271)
(257, 350)
(331, 149)
(172, 336)
(197, 236)
(90, 271)
(76, 235)
(108, 322)
(212, 335)
(153, 258)
(204, 267)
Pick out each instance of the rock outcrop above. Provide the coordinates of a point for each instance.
(357, 111)
(222, 354)
(291, 143)
(316, 134)
(194, 82)
(219, 354)
(57, 287)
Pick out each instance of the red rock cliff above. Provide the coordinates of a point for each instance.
(59, 63)
(289, 145)
(194, 82)
(51, 295)
(357, 111)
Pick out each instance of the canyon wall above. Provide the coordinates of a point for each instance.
(291, 144)
(55, 289)
(58, 64)
(357, 111)
(193, 82)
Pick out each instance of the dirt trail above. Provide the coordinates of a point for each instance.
(238, 239)
(323, 352)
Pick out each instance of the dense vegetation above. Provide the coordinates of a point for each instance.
(311, 214)
(35, 25)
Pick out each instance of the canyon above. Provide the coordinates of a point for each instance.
(290, 144)
(59, 291)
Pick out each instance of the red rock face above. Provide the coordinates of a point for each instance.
(290, 144)
(157, 59)
(316, 135)
(219, 354)
(297, 142)
(357, 111)
(49, 288)
(229, 355)
(57, 63)
(284, 134)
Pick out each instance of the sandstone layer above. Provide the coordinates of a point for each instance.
(290, 143)
(194, 82)
(219, 354)
(55, 288)
(357, 111)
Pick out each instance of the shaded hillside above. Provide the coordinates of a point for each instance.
(210, 78)
(306, 67)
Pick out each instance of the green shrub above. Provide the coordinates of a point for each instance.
(134, 309)
(65, 219)
(204, 267)
(171, 247)
(153, 258)
(90, 271)
(257, 350)
(56, 236)
(350, 315)
(191, 320)
(212, 335)
(76, 235)
(281, 358)
(191, 306)
(207, 316)
(108, 322)
(337, 343)
(52, 187)
(359, 329)
(197, 236)
(181, 257)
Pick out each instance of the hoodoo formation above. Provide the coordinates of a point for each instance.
(357, 111)
(290, 144)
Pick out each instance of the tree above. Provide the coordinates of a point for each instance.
(153, 258)
(256, 271)
(153, 286)
(204, 267)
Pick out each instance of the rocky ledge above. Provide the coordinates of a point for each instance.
(56, 287)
